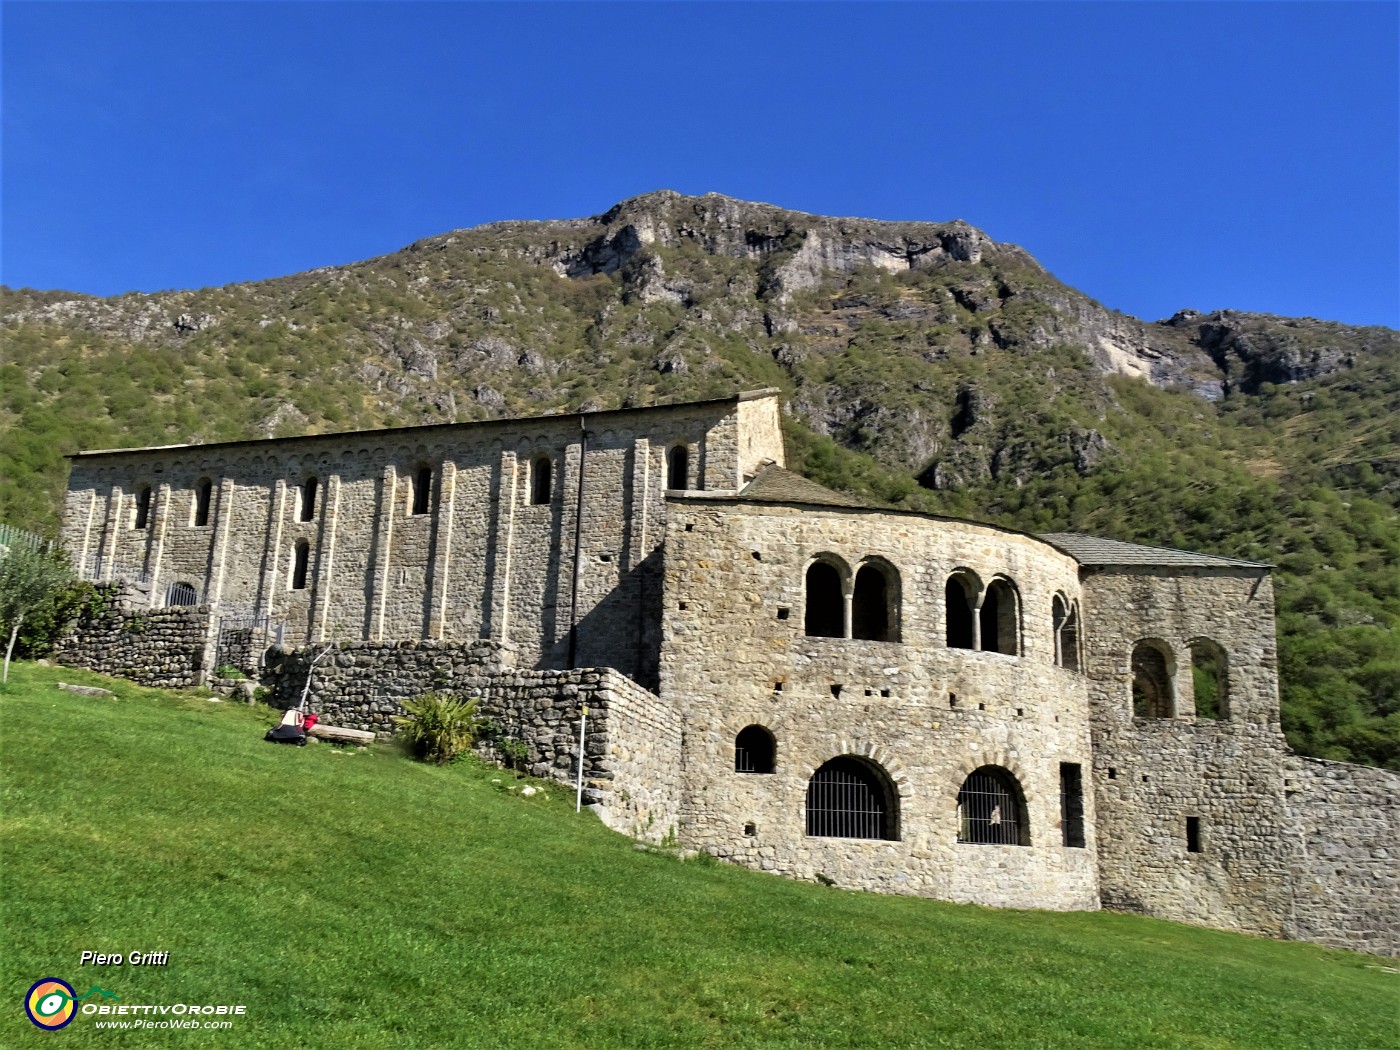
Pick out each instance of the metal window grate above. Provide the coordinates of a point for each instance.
(181, 594)
(989, 810)
(753, 750)
(845, 799)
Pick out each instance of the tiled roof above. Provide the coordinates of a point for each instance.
(1091, 550)
(774, 484)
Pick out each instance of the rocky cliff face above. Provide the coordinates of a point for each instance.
(916, 342)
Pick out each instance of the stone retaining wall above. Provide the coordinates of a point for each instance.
(632, 738)
(154, 647)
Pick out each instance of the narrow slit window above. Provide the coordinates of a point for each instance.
(678, 468)
(301, 561)
(1193, 834)
(203, 490)
(541, 477)
(1072, 804)
(308, 500)
(422, 490)
(143, 508)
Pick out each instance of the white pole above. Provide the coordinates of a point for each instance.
(582, 721)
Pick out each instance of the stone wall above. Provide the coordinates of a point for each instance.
(632, 738)
(1346, 865)
(735, 653)
(1158, 778)
(477, 558)
(154, 647)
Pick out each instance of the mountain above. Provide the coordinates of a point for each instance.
(926, 366)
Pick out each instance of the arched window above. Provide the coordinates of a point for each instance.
(851, 798)
(203, 490)
(422, 489)
(959, 593)
(308, 500)
(181, 594)
(826, 606)
(301, 560)
(992, 810)
(143, 508)
(1065, 616)
(541, 471)
(754, 750)
(678, 467)
(874, 608)
(1000, 618)
(1209, 680)
(1153, 693)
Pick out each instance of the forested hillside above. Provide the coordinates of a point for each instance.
(924, 365)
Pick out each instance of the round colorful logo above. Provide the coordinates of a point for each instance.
(50, 1003)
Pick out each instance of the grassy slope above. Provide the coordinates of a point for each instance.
(358, 900)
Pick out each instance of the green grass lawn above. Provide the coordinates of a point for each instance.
(357, 899)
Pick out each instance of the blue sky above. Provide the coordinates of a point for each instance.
(1154, 155)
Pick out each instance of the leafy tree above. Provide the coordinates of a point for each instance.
(30, 579)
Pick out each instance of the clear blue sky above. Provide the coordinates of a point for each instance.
(1156, 156)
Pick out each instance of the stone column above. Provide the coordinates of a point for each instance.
(321, 599)
(223, 525)
(156, 547)
(443, 518)
(383, 547)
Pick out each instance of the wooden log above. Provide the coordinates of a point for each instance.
(337, 735)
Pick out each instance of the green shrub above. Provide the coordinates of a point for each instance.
(437, 727)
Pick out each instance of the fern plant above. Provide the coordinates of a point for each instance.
(437, 727)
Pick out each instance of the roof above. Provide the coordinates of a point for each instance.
(775, 484)
(1092, 550)
(743, 395)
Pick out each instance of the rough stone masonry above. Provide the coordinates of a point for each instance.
(774, 673)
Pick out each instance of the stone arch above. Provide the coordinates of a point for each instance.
(1210, 678)
(1064, 618)
(852, 796)
(961, 592)
(999, 617)
(992, 808)
(824, 597)
(1153, 687)
(875, 601)
(755, 750)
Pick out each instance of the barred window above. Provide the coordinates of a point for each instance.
(181, 594)
(754, 750)
(991, 810)
(851, 798)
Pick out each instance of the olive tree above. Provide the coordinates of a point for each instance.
(30, 578)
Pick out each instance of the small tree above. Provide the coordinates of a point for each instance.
(30, 578)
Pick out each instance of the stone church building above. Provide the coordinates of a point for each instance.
(773, 672)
